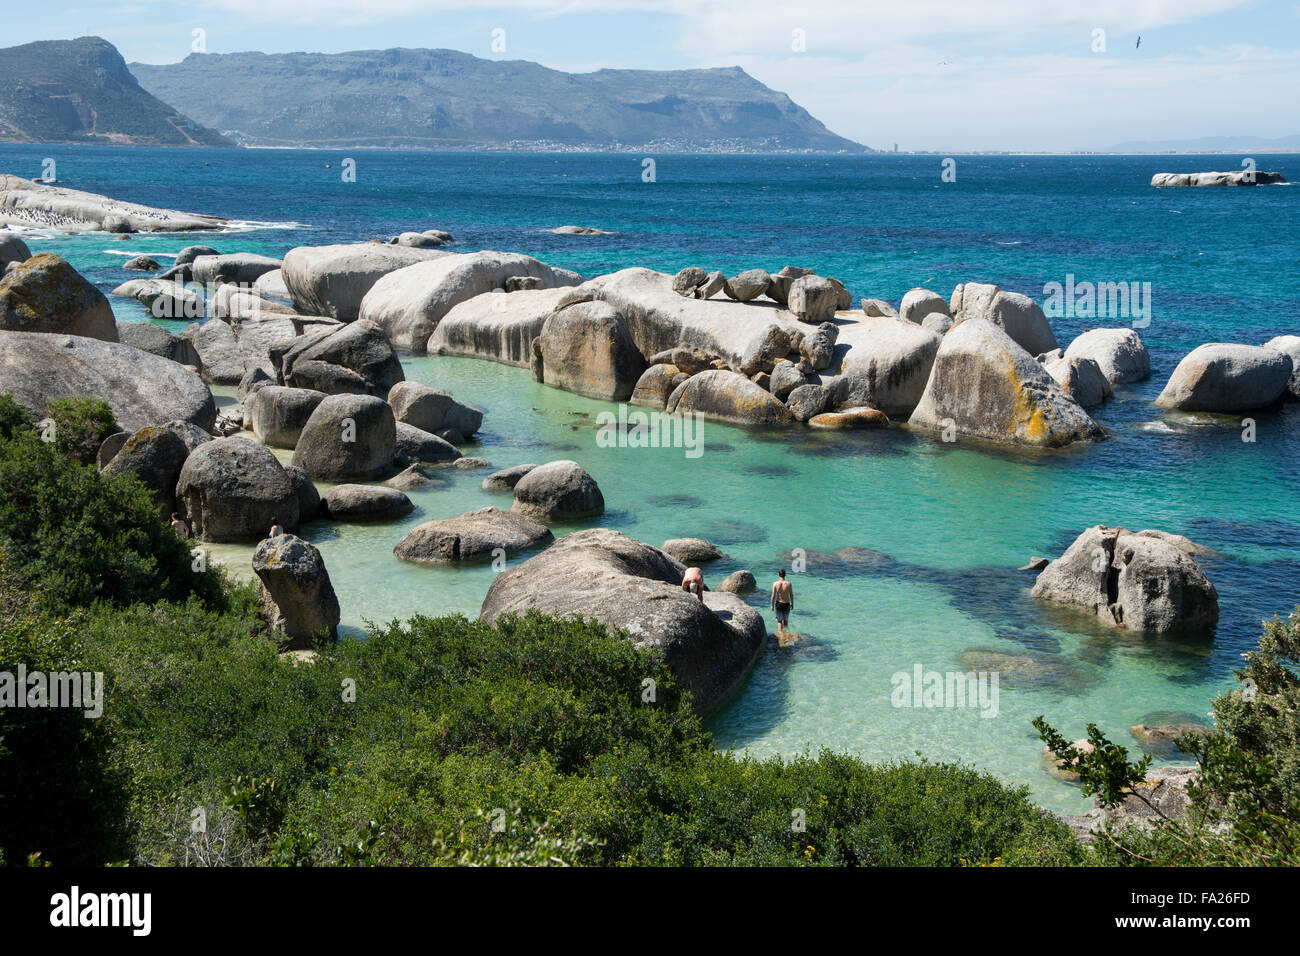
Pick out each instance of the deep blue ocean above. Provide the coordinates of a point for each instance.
(955, 521)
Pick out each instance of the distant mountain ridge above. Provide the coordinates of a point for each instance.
(80, 91)
(453, 100)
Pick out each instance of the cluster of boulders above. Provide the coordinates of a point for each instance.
(809, 297)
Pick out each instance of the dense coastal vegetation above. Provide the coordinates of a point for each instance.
(449, 741)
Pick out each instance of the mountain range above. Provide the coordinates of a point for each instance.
(452, 100)
(80, 91)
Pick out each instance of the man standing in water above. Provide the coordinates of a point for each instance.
(782, 602)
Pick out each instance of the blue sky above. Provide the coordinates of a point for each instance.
(926, 74)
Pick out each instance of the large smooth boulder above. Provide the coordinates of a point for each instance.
(634, 588)
(415, 446)
(332, 280)
(305, 490)
(270, 287)
(728, 397)
(506, 478)
(691, 550)
(1289, 345)
(231, 488)
(847, 419)
(45, 294)
(279, 414)
(808, 401)
(163, 298)
(357, 358)
(656, 385)
(156, 340)
(1139, 582)
(238, 267)
(558, 491)
(1119, 353)
(12, 249)
(297, 596)
(476, 536)
(220, 360)
(1017, 315)
(983, 385)
(24, 202)
(886, 363)
(1082, 379)
(746, 286)
(141, 388)
(235, 301)
(813, 299)
(347, 437)
(586, 348)
(154, 455)
(498, 326)
(431, 409)
(919, 303)
(1223, 377)
(410, 302)
(364, 503)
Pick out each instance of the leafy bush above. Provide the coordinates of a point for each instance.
(1244, 806)
(86, 537)
(80, 426)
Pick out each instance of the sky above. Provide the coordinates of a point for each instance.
(957, 75)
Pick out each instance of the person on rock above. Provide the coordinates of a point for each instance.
(693, 583)
(276, 530)
(179, 527)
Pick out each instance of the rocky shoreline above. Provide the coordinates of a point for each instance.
(312, 343)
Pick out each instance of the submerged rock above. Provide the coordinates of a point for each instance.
(632, 587)
(1140, 582)
(476, 536)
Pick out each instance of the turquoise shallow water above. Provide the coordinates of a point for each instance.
(950, 522)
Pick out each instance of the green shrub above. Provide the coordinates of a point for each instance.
(80, 426)
(86, 537)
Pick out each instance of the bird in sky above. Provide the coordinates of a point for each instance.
(1139, 43)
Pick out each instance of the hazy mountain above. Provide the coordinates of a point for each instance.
(1212, 144)
(80, 91)
(447, 99)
